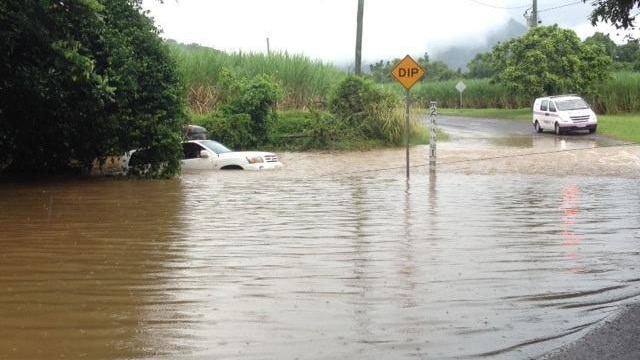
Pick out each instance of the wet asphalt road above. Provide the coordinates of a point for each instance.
(619, 337)
(461, 128)
(468, 127)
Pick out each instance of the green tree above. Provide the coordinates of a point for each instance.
(603, 40)
(481, 66)
(81, 80)
(436, 70)
(380, 72)
(617, 12)
(627, 53)
(257, 98)
(550, 60)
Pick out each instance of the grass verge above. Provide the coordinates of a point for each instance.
(506, 114)
(624, 127)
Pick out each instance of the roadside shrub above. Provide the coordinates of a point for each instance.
(299, 130)
(364, 107)
(257, 98)
(233, 130)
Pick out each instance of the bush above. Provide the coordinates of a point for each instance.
(298, 130)
(234, 131)
(364, 107)
(257, 98)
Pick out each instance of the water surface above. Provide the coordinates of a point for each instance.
(279, 265)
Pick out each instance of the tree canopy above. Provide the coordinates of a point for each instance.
(81, 80)
(617, 12)
(550, 60)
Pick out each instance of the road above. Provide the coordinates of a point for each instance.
(618, 338)
(487, 132)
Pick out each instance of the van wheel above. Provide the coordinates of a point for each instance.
(558, 131)
(592, 130)
(537, 127)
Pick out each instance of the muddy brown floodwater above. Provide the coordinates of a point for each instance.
(327, 259)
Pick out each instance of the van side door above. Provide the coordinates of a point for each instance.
(553, 114)
(544, 110)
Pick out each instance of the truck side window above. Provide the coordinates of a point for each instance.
(544, 105)
(552, 106)
(191, 150)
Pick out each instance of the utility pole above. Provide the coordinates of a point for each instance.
(534, 15)
(359, 38)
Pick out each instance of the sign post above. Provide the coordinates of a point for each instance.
(408, 72)
(460, 86)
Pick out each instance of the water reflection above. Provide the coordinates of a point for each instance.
(255, 266)
(83, 266)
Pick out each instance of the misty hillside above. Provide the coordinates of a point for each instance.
(459, 56)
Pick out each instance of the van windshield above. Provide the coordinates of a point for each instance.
(573, 104)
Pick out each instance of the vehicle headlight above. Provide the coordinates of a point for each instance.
(255, 160)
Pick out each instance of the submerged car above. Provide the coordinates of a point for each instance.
(211, 155)
(207, 155)
(563, 113)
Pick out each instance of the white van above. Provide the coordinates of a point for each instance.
(563, 113)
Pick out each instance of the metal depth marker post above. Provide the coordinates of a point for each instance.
(432, 141)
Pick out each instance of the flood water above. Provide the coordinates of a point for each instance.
(238, 265)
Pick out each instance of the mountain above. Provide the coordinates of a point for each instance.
(459, 56)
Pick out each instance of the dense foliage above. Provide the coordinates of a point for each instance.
(305, 83)
(618, 94)
(481, 67)
(624, 57)
(549, 60)
(81, 80)
(618, 12)
(304, 130)
(367, 108)
(242, 121)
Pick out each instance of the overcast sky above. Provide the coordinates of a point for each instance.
(325, 29)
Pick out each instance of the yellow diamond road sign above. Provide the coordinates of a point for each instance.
(408, 72)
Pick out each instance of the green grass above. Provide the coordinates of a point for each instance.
(507, 114)
(618, 95)
(624, 127)
(306, 82)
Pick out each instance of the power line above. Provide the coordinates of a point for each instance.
(524, 6)
(499, 7)
(560, 6)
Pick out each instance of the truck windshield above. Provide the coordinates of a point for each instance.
(573, 104)
(215, 146)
